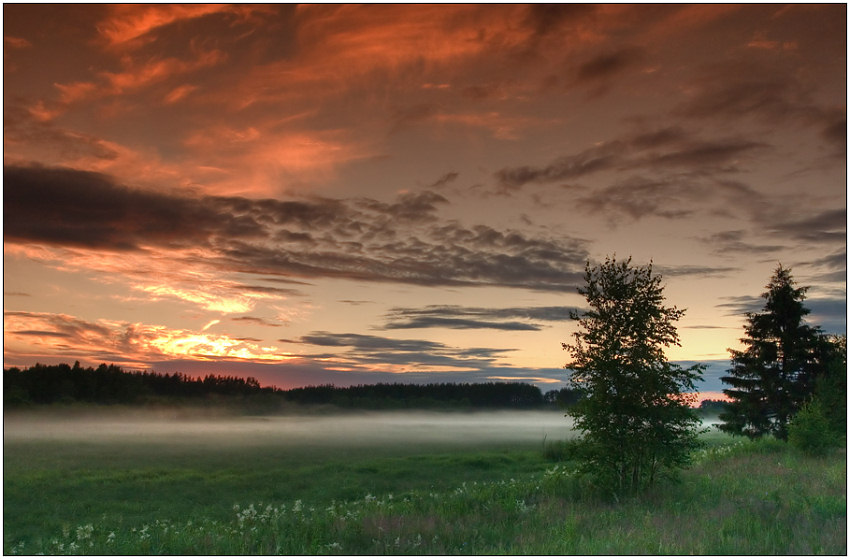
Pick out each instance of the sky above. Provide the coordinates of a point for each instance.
(335, 194)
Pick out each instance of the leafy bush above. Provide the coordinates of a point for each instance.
(809, 430)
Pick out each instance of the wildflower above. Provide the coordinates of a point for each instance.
(84, 532)
(111, 537)
(297, 506)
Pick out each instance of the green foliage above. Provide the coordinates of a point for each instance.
(635, 419)
(776, 372)
(831, 385)
(809, 430)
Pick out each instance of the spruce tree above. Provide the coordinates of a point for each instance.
(635, 417)
(775, 373)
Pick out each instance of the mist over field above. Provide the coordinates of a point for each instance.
(336, 430)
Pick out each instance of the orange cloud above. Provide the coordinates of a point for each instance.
(154, 70)
(179, 93)
(16, 42)
(160, 275)
(254, 159)
(338, 45)
(41, 113)
(66, 336)
(127, 22)
(210, 295)
(687, 18)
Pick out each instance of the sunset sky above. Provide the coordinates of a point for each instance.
(409, 193)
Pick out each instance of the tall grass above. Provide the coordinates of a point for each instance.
(739, 498)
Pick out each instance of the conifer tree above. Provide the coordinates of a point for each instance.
(635, 417)
(776, 372)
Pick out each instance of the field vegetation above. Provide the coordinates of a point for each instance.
(260, 485)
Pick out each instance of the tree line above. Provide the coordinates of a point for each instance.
(110, 384)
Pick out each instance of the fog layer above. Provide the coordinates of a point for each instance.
(405, 428)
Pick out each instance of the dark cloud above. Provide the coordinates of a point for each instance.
(370, 351)
(728, 93)
(829, 226)
(729, 242)
(639, 197)
(660, 137)
(768, 94)
(741, 305)
(418, 206)
(404, 241)
(702, 155)
(597, 158)
(42, 333)
(459, 323)
(671, 197)
(608, 64)
(458, 317)
(268, 290)
(255, 320)
(836, 263)
(445, 179)
(835, 132)
(62, 325)
(548, 18)
(80, 208)
(704, 271)
(660, 151)
(363, 341)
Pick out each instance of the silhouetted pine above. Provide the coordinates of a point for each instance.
(775, 373)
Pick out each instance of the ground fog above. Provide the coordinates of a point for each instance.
(336, 430)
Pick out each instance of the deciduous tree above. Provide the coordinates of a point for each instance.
(636, 419)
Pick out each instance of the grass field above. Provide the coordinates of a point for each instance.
(391, 484)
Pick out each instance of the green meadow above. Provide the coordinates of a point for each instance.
(392, 483)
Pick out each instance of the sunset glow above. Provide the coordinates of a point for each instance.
(352, 194)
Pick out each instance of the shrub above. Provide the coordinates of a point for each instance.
(809, 430)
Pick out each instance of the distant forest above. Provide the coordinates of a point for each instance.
(109, 384)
